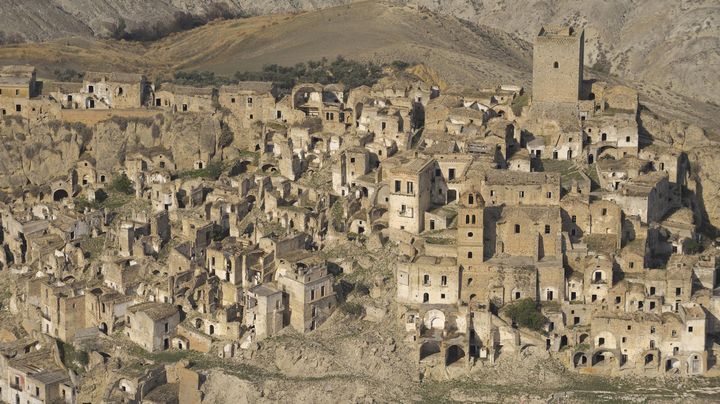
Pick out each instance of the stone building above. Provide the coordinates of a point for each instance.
(175, 98)
(151, 325)
(114, 90)
(558, 58)
(308, 293)
(428, 280)
(410, 193)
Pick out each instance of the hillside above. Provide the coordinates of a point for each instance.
(41, 20)
(372, 31)
(459, 51)
(671, 44)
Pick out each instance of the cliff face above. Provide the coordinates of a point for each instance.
(36, 155)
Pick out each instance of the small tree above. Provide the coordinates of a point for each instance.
(525, 313)
(122, 183)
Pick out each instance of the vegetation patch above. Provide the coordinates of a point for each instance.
(122, 183)
(72, 358)
(352, 309)
(525, 313)
(212, 171)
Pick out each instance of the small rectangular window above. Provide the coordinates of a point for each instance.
(398, 184)
(547, 229)
(517, 228)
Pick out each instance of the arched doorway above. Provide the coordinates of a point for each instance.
(59, 195)
(672, 365)
(428, 349)
(563, 341)
(103, 328)
(454, 354)
(580, 360)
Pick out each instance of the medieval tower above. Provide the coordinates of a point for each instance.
(558, 66)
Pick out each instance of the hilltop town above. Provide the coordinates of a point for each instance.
(154, 234)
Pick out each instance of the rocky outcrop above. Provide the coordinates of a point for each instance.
(36, 154)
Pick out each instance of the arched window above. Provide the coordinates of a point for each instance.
(469, 254)
(556, 65)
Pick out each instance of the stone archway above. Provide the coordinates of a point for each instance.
(428, 349)
(60, 194)
(453, 354)
(580, 360)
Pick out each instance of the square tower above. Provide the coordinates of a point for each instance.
(470, 225)
(558, 65)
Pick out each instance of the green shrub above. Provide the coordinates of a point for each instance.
(693, 247)
(122, 183)
(525, 313)
(352, 309)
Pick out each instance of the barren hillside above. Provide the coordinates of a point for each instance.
(667, 43)
(41, 20)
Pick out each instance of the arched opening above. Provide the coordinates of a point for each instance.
(212, 329)
(428, 349)
(454, 354)
(603, 137)
(649, 358)
(672, 365)
(603, 358)
(59, 195)
(583, 338)
(563, 342)
(580, 360)
(426, 297)
(591, 158)
(591, 96)
(120, 91)
(103, 328)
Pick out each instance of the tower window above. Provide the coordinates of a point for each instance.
(556, 65)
